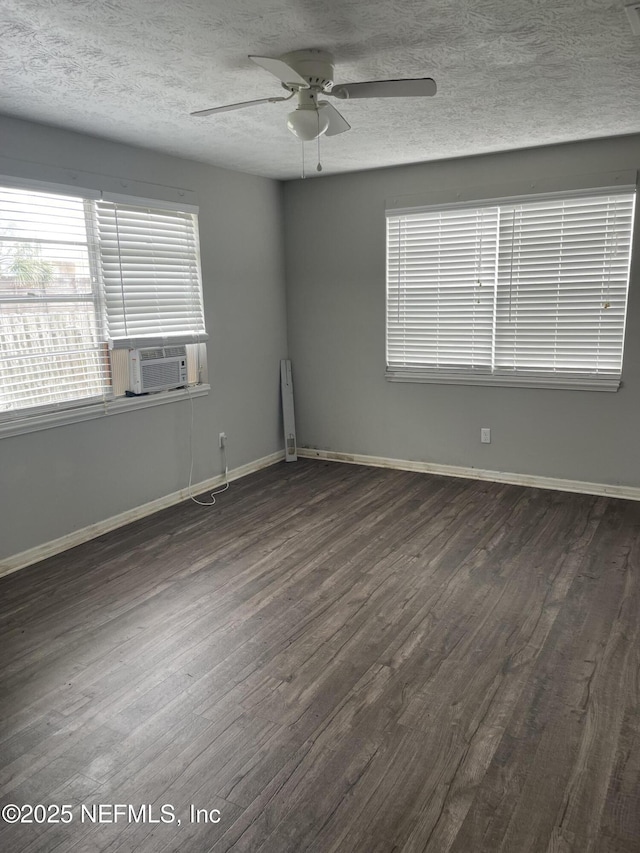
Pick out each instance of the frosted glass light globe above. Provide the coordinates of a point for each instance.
(307, 124)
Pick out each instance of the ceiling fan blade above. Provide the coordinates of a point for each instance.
(281, 70)
(337, 122)
(228, 107)
(421, 87)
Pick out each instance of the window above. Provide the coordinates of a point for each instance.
(528, 291)
(149, 265)
(81, 281)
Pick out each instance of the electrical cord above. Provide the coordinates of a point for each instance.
(224, 488)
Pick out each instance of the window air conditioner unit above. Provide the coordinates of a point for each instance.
(157, 369)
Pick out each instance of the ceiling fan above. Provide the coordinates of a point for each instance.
(309, 74)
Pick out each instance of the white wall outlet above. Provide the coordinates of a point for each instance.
(222, 440)
(485, 435)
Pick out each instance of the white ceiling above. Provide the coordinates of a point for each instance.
(510, 74)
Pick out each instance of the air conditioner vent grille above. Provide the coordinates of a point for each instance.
(175, 352)
(149, 354)
(160, 374)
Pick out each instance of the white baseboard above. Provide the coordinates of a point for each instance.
(629, 492)
(77, 537)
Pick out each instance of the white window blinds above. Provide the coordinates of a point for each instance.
(516, 290)
(52, 349)
(80, 276)
(563, 274)
(150, 269)
(440, 289)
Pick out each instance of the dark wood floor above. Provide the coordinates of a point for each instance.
(337, 658)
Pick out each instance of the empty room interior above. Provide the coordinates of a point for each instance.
(319, 418)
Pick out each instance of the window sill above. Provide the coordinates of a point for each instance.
(568, 383)
(98, 410)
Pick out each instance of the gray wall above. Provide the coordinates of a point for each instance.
(335, 232)
(60, 480)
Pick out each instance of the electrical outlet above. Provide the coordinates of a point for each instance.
(222, 440)
(485, 435)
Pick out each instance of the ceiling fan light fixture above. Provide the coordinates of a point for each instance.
(307, 124)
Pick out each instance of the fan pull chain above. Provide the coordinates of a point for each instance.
(319, 166)
(303, 173)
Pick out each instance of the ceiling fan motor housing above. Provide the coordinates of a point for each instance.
(316, 66)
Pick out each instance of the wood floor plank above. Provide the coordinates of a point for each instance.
(342, 660)
(551, 732)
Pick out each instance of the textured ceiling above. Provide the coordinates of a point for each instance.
(510, 74)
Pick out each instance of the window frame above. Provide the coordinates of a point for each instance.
(624, 183)
(34, 418)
